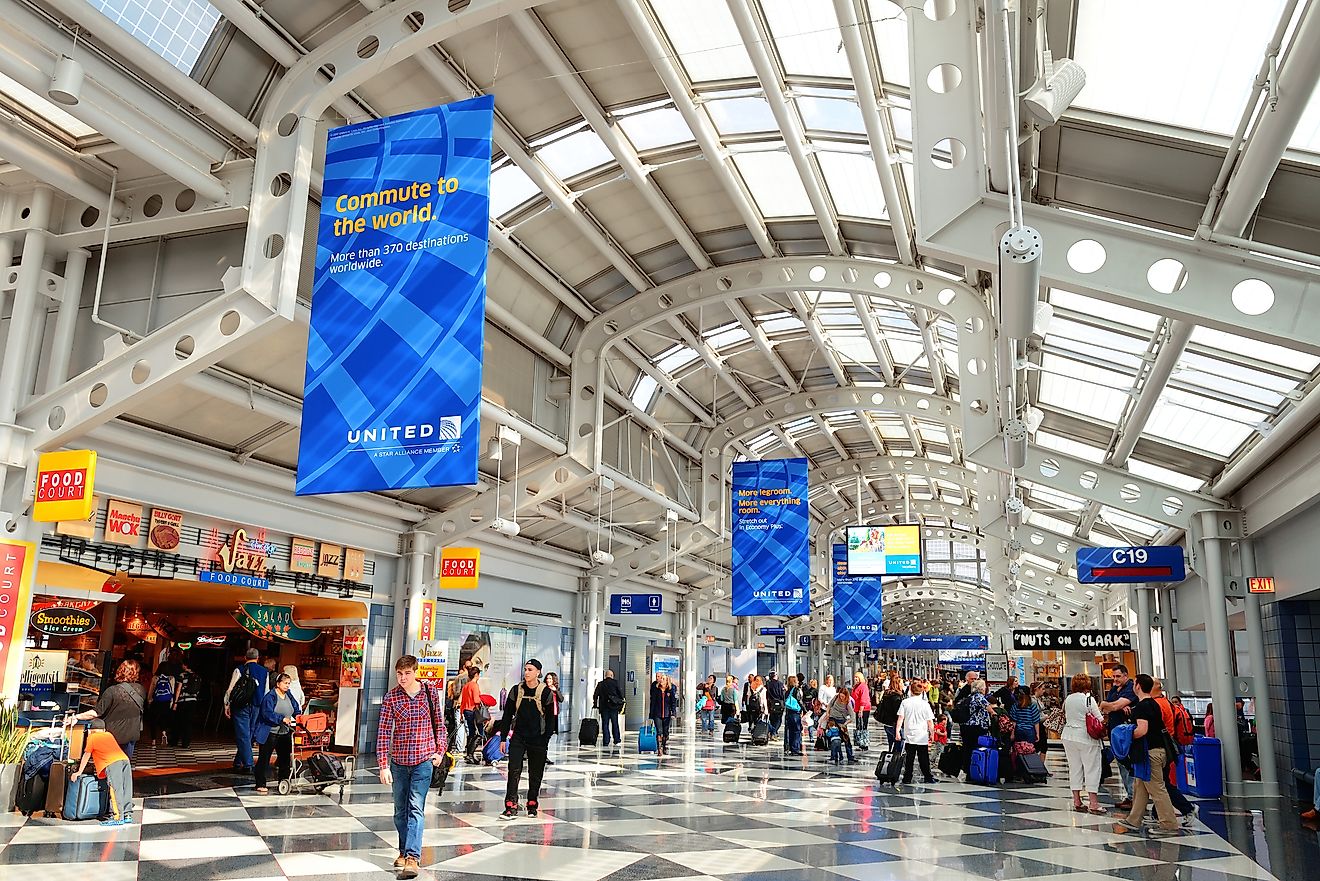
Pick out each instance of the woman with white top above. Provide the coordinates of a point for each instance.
(828, 691)
(1081, 749)
(295, 687)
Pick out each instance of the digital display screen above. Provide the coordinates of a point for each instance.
(884, 550)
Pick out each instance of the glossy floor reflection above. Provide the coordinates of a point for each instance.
(737, 814)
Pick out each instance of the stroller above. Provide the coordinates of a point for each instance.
(312, 769)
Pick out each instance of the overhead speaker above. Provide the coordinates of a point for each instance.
(602, 558)
(66, 85)
(1015, 443)
(505, 527)
(1020, 252)
(1063, 82)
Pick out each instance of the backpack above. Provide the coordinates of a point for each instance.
(163, 691)
(192, 685)
(535, 697)
(244, 691)
(1184, 732)
(962, 711)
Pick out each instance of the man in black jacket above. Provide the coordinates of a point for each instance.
(528, 707)
(608, 700)
(775, 693)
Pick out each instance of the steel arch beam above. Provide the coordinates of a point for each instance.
(262, 295)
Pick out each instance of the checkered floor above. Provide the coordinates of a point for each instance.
(706, 812)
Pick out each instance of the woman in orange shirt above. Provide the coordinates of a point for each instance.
(468, 702)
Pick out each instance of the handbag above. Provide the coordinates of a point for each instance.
(1056, 719)
(1094, 727)
(440, 772)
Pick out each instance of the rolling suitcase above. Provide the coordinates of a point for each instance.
(951, 760)
(985, 766)
(30, 795)
(890, 768)
(1032, 768)
(760, 734)
(493, 751)
(647, 741)
(588, 732)
(732, 731)
(55, 788)
(82, 798)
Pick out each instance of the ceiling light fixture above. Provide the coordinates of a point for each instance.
(1054, 93)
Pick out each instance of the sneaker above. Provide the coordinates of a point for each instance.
(410, 867)
(1312, 814)
(854, 761)
(1124, 827)
(1161, 832)
(398, 861)
(531, 809)
(548, 762)
(510, 812)
(122, 821)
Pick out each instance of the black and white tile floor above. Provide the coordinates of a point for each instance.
(706, 812)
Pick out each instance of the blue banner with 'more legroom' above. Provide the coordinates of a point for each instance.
(393, 384)
(770, 551)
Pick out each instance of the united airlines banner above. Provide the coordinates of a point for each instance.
(393, 385)
(771, 564)
(927, 643)
(856, 601)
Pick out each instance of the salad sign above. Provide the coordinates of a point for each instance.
(350, 667)
(267, 621)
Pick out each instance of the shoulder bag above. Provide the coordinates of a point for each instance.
(440, 772)
(1094, 727)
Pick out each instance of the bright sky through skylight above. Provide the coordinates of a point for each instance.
(1188, 63)
(176, 30)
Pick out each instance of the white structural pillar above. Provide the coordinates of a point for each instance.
(1145, 648)
(66, 319)
(1221, 656)
(790, 652)
(416, 548)
(23, 313)
(1170, 677)
(588, 653)
(1269, 769)
(687, 629)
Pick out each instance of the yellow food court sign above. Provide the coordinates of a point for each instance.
(459, 568)
(65, 481)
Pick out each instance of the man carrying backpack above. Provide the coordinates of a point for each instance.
(528, 706)
(243, 698)
(775, 692)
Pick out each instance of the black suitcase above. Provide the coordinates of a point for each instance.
(732, 731)
(890, 767)
(760, 734)
(1031, 767)
(31, 795)
(588, 732)
(952, 760)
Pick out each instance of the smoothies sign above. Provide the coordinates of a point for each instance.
(64, 486)
(18, 561)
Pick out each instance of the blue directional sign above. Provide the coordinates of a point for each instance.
(636, 604)
(1130, 565)
(772, 631)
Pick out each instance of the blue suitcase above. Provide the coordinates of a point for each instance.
(646, 739)
(493, 751)
(985, 766)
(82, 798)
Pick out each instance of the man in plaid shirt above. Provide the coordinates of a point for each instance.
(410, 741)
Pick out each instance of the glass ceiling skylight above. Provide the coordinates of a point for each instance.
(703, 34)
(806, 33)
(1187, 63)
(774, 183)
(176, 30)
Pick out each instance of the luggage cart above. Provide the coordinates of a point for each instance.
(310, 768)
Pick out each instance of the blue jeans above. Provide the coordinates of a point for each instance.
(244, 721)
(410, 785)
(609, 723)
(1125, 776)
(792, 731)
(129, 747)
(470, 719)
(708, 721)
(1315, 790)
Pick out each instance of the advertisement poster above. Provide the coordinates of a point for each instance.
(771, 556)
(500, 653)
(123, 523)
(166, 530)
(302, 556)
(433, 661)
(350, 656)
(394, 354)
(884, 550)
(856, 600)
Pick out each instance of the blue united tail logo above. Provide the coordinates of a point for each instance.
(451, 428)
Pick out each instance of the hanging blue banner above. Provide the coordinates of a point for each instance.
(856, 601)
(924, 643)
(771, 564)
(393, 385)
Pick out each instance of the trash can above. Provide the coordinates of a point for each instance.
(1204, 766)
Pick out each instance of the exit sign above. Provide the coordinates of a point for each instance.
(1264, 584)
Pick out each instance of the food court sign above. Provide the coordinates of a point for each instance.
(241, 561)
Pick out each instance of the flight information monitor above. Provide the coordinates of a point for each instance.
(884, 550)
